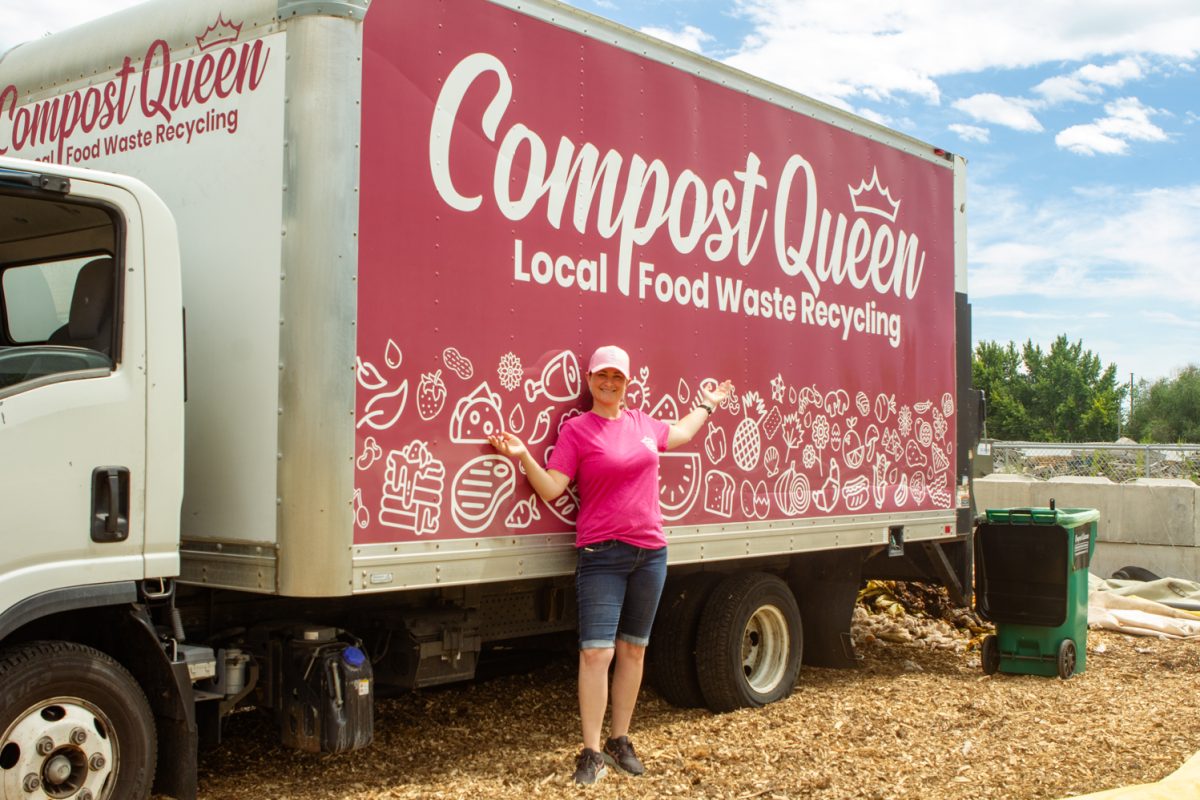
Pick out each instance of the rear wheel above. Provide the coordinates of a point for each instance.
(75, 725)
(671, 659)
(750, 642)
(1066, 658)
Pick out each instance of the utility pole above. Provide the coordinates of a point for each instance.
(1130, 398)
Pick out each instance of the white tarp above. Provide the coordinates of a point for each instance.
(1183, 784)
(1133, 607)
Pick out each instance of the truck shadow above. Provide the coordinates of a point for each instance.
(520, 729)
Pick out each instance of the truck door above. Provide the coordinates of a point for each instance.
(72, 385)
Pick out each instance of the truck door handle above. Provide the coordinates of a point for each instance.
(110, 504)
(114, 501)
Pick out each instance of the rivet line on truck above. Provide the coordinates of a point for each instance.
(270, 273)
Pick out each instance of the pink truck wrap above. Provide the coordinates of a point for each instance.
(334, 245)
(537, 193)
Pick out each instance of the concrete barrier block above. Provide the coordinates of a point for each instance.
(1085, 492)
(1003, 491)
(1158, 511)
(1164, 561)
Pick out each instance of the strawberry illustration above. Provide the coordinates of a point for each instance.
(431, 395)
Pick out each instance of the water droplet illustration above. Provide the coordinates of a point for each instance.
(516, 419)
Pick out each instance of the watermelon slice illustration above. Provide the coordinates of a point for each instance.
(566, 505)
(678, 483)
(666, 409)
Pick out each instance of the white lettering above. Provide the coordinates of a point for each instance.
(860, 319)
(445, 113)
(632, 199)
(793, 261)
(564, 270)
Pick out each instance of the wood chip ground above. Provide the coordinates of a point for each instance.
(917, 719)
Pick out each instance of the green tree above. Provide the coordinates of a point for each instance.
(996, 370)
(1064, 394)
(1168, 410)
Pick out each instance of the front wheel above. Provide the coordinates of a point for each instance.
(750, 642)
(75, 725)
(1066, 658)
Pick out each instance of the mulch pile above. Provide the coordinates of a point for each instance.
(917, 719)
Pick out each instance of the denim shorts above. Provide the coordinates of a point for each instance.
(617, 587)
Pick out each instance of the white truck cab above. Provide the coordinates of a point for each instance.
(93, 407)
(91, 427)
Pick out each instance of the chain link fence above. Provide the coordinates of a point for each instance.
(1119, 463)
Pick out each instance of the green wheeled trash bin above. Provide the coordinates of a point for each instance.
(1031, 580)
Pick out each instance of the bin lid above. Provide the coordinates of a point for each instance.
(1066, 517)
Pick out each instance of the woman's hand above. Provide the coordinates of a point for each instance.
(507, 444)
(718, 395)
(684, 429)
(548, 483)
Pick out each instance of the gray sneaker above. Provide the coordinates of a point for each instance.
(620, 753)
(589, 767)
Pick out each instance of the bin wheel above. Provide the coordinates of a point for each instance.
(991, 655)
(1066, 658)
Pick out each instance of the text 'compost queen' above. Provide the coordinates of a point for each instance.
(724, 216)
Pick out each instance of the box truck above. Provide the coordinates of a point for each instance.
(272, 270)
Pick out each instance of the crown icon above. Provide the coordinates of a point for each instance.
(871, 198)
(220, 32)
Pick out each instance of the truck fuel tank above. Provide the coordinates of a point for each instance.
(327, 693)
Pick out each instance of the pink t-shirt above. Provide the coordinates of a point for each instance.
(614, 463)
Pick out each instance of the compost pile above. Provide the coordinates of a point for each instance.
(917, 719)
(898, 612)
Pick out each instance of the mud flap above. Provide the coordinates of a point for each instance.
(177, 742)
(168, 688)
(826, 587)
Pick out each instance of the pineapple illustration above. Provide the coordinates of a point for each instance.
(747, 440)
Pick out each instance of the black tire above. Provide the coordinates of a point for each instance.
(990, 655)
(671, 658)
(1066, 658)
(750, 642)
(1136, 574)
(72, 718)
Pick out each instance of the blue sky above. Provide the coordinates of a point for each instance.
(1080, 123)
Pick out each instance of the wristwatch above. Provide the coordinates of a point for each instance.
(708, 409)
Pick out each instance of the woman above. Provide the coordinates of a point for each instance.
(612, 455)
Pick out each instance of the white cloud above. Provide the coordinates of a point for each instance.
(1012, 313)
(1011, 112)
(1090, 140)
(970, 133)
(21, 22)
(688, 37)
(1090, 81)
(863, 48)
(1128, 120)
(1129, 256)
(1065, 89)
(874, 116)
(1114, 75)
(1121, 245)
(1170, 318)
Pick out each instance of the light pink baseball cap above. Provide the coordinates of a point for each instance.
(610, 357)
